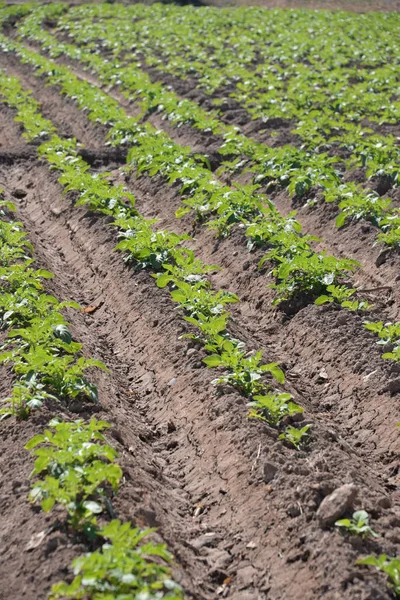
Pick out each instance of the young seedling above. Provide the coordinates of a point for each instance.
(343, 296)
(297, 437)
(273, 407)
(245, 371)
(123, 567)
(76, 467)
(388, 334)
(358, 524)
(388, 565)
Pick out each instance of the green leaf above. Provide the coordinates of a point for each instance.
(163, 280)
(214, 360)
(48, 504)
(35, 441)
(63, 333)
(323, 300)
(182, 211)
(44, 274)
(340, 220)
(343, 523)
(276, 372)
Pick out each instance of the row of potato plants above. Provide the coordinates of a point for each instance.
(299, 169)
(283, 76)
(340, 295)
(76, 469)
(270, 228)
(46, 361)
(301, 71)
(266, 226)
(246, 36)
(298, 269)
(173, 265)
(74, 466)
(346, 103)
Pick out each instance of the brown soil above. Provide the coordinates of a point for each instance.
(194, 466)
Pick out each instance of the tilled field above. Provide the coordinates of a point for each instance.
(116, 120)
(355, 5)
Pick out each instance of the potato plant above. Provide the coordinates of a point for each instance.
(343, 296)
(76, 469)
(388, 565)
(358, 524)
(389, 335)
(73, 468)
(123, 567)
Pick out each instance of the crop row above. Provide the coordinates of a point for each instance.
(301, 170)
(325, 107)
(74, 468)
(286, 76)
(173, 265)
(278, 76)
(298, 270)
(247, 36)
(39, 346)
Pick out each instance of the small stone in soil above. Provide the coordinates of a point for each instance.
(245, 577)
(394, 386)
(209, 539)
(218, 559)
(336, 504)
(269, 471)
(293, 510)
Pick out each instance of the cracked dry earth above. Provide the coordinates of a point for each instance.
(236, 507)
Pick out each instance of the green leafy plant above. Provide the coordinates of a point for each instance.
(123, 567)
(246, 371)
(197, 300)
(148, 248)
(343, 296)
(186, 268)
(273, 407)
(296, 437)
(388, 333)
(389, 566)
(38, 345)
(75, 467)
(310, 274)
(358, 524)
